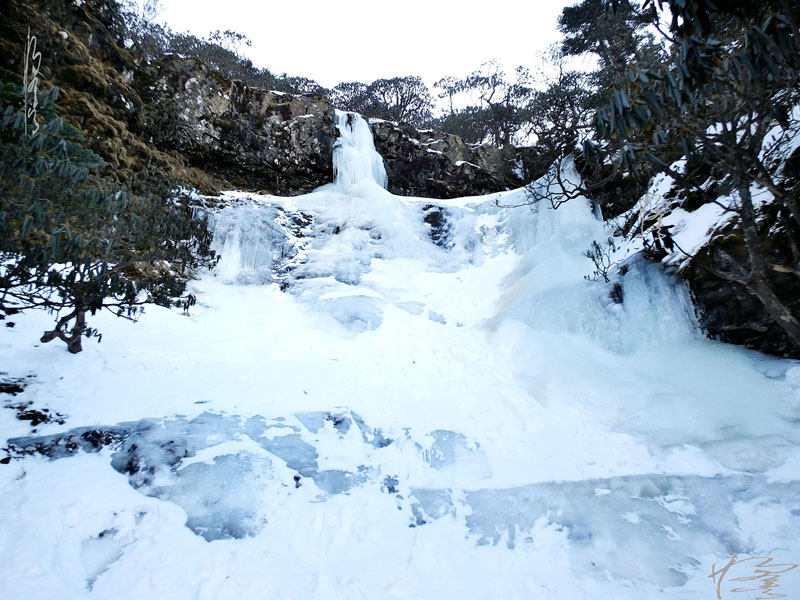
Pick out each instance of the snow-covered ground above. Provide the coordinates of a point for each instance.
(385, 397)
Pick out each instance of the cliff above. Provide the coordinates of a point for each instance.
(182, 117)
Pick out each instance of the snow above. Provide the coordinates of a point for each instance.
(353, 410)
(461, 163)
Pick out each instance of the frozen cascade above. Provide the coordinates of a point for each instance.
(547, 290)
(248, 242)
(254, 238)
(355, 159)
(258, 241)
(387, 409)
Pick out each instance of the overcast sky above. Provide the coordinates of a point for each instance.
(360, 40)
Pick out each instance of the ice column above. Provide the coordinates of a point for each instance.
(355, 159)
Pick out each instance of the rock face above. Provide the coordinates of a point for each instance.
(727, 310)
(100, 77)
(182, 118)
(707, 252)
(175, 115)
(436, 165)
(729, 313)
(254, 139)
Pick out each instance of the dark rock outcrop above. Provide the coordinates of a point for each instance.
(727, 310)
(86, 55)
(718, 270)
(254, 139)
(436, 165)
(175, 115)
(182, 118)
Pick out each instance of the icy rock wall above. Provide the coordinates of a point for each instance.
(549, 293)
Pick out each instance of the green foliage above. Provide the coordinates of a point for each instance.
(619, 35)
(747, 72)
(73, 242)
(559, 115)
(352, 96)
(726, 101)
(614, 31)
(229, 40)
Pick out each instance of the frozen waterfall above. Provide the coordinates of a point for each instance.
(387, 397)
(355, 159)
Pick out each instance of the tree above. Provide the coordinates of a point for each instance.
(73, 242)
(448, 87)
(560, 115)
(221, 50)
(463, 122)
(136, 22)
(501, 101)
(352, 96)
(495, 108)
(620, 35)
(229, 40)
(727, 102)
(405, 99)
(294, 84)
(467, 123)
(617, 32)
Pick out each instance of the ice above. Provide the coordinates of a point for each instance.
(548, 290)
(316, 420)
(151, 445)
(100, 552)
(637, 530)
(392, 397)
(354, 157)
(357, 313)
(296, 453)
(436, 317)
(194, 463)
(221, 498)
(411, 307)
(374, 437)
(218, 469)
(450, 447)
(258, 243)
(431, 504)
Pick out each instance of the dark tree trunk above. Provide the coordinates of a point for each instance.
(73, 339)
(758, 283)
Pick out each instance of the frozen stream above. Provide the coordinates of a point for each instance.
(386, 397)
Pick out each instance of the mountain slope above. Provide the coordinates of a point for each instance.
(369, 402)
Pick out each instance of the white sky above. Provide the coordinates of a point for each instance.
(360, 40)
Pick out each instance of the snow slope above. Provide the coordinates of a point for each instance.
(368, 404)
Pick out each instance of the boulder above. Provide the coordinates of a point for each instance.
(437, 165)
